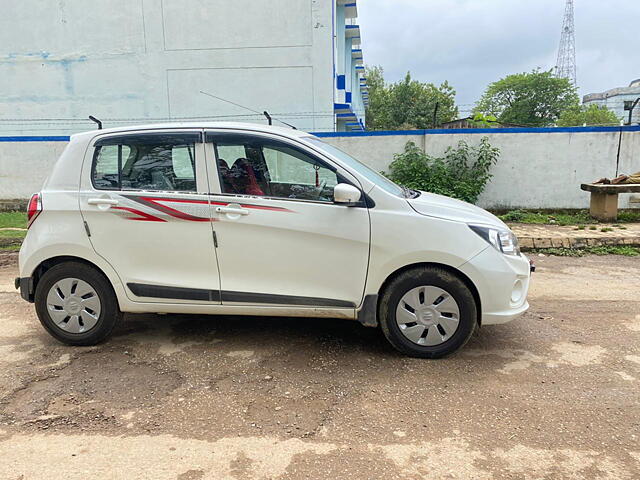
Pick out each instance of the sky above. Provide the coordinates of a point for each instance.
(471, 43)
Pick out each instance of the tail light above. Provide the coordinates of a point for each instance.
(34, 208)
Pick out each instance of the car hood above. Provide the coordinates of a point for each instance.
(439, 206)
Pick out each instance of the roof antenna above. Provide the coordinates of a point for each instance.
(265, 113)
(94, 119)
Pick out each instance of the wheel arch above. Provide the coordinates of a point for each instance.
(454, 271)
(51, 262)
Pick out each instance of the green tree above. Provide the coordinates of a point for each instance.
(578, 116)
(376, 113)
(480, 120)
(407, 104)
(536, 99)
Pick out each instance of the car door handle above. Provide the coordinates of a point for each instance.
(102, 201)
(232, 210)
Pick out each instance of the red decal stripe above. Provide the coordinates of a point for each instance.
(157, 203)
(177, 200)
(144, 217)
(256, 207)
(177, 213)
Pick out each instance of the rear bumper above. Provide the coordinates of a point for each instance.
(25, 285)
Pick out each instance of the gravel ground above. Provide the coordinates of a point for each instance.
(551, 395)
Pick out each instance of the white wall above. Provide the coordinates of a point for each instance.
(24, 166)
(535, 170)
(141, 59)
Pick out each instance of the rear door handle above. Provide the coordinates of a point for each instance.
(232, 210)
(102, 201)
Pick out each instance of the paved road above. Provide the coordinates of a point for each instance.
(553, 395)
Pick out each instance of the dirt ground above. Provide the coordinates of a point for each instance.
(554, 394)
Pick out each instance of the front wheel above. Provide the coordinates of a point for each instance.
(76, 304)
(427, 312)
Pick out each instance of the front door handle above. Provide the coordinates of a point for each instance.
(232, 210)
(102, 201)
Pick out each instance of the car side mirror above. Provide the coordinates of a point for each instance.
(347, 195)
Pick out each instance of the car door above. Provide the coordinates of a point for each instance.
(281, 239)
(144, 198)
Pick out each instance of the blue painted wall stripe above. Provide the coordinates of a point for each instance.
(59, 138)
(445, 131)
(442, 131)
(342, 82)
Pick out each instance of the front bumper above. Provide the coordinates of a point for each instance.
(502, 282)
(26, 288)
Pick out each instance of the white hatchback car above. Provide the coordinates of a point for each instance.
(253, 220)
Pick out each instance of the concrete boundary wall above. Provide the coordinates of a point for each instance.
(538, 168)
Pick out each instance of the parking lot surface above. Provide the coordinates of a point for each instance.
(554, 394)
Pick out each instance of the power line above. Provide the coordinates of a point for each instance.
(265, 113)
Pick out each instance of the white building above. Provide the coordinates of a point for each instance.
(133, 61)
(615, 99)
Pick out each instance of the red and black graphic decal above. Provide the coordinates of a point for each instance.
(190, 210)
(160, 204)
(141, 216)
(256, 207)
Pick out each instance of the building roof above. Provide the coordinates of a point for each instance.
(632, 89)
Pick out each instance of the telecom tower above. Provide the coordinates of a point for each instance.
(566, 64)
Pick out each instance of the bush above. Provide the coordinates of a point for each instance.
(514, 216)
(462, 173)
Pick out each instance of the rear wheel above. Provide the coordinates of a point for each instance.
(427, 312)
(76, 304)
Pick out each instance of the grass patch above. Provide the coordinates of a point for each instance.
(10, 240)
(628, 217)
(562, 217)
(13, 220)
(581, 252)
(13, 234)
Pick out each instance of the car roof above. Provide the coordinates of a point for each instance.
(253, 127)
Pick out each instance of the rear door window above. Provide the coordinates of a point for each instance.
(157, 161)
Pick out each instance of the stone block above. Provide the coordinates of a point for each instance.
(526, 242)
(542, 242)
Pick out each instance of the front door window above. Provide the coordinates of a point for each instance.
(265, 167)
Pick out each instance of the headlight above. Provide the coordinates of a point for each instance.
(502, 240)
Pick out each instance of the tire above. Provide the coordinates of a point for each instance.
(440, 298)
(82, 315)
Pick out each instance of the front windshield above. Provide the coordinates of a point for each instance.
(370, 174)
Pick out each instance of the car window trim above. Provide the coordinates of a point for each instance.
(209, 136)
(111, 140)
(367, 202)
